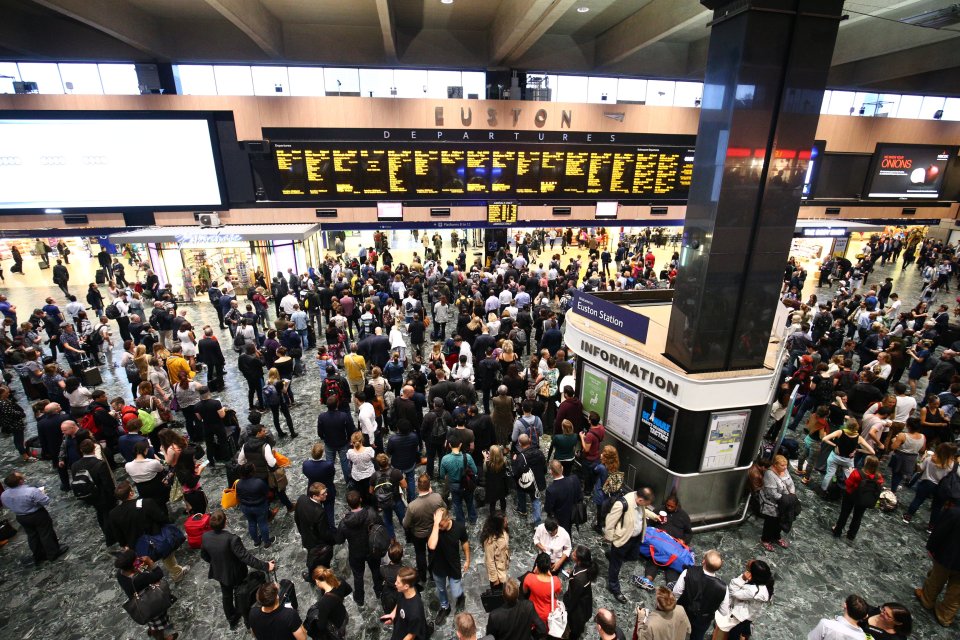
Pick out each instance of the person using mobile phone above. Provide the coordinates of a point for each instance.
(408, 618)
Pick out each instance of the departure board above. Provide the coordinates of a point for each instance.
(502, 213)
(343, 170)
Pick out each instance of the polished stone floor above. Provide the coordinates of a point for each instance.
(77, 597)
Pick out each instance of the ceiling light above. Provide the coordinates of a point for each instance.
(446, 1)
(583, 9)
(937, 19)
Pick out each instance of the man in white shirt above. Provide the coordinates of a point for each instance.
(288, 302)
(906, 406)
(74, 307)
(367, 417)
(843, 627)
(553, 539)
(462, 370)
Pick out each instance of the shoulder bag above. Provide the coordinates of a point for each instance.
(150, 603)
(557, 618)
(228, 499)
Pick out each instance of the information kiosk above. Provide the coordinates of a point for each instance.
(693, 434)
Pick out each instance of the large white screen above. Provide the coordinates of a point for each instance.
(81, 164)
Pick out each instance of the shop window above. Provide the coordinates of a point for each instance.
(119, 79)
(930, 106)
(10, 74)
(688, 94)
(341, 81)
(841, 103)
(865, 104)
(376, 83)
(81, 78)
(660, 93)
(270, 81)
(475, 83)
(909, 106)
(46, 75)
(439, 83)
(410, 83)
(888, 104)
(602, 90)
(233, 80)
(631, 90)
(195, 79)
(572, 88)
(951, 109)
(306, 81)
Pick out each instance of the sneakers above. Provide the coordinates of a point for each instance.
(183, 573)
(643, 582)
(461, 603)
(907, 518)
(441, 616)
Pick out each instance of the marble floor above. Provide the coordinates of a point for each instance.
(77, 597)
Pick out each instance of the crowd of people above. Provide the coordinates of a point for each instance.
(440, 391)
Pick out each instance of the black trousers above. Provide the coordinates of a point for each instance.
(357, 566)
(771, 529)
(123, 323)
(848, 506)
(102, 512)
(40, 535)
(229, 608)
(420, 549)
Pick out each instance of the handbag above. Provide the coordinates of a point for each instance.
(278, 480)
(579, 515)
(176, 490)
(7, 530)
(228, 499)
(161, 545)
(557, 618)
(492, 599)
(150, 603)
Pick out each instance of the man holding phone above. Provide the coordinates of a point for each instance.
(408, 617)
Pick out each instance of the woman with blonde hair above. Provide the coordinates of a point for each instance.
(495, 477)
(608, 480)
(776, 484)
(361, 467)
(933, 470)
(278, 400)
(507, 356)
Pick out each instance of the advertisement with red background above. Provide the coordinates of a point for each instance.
(908, 171)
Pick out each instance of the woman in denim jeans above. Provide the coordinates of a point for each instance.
(817, 426)
(254, 497)
(932, 471)
(846, 443)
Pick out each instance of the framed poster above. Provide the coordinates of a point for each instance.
(593, 390)
(622, 408)
(655, 433)
(724, 438)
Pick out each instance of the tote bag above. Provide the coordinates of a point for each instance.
(557, 618)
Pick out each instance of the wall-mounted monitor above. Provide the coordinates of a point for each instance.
(655, 432)
(607, 210)
(97, 161)
(842, 176)
(502, 213)
(387, 211)
(908, 171)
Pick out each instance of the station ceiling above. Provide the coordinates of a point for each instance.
(649, 38)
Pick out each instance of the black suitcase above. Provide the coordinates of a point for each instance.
(91, 376)
(101, 276)
(245, 595)
(216, 384)
(311, 337)
(44, 265)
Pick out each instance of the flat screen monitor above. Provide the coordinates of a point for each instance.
(502, 213)
(842, 176)
(655, 432)
(99, 161)
(908, 171)
(607, 210)
(389, 211)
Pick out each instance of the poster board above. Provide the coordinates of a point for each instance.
(623, 405)
(724, 439)
(593, 390)
(655, 432)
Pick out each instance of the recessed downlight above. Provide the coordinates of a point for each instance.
(579, 9)
(446, 1)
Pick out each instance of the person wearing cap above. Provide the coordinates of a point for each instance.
(70, 344)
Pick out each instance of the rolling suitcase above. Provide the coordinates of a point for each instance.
(311, 337)
(90, 375)
(101, 276)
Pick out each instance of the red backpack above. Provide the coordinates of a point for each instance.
(195, 526)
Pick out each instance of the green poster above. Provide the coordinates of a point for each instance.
(593, 392)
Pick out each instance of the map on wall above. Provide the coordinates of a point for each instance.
(622, 409)
(593, 390)
(724, 438)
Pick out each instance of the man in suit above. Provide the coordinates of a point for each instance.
(134, 517)
(314, 527)
(211, 355)
(513, 620)
(51, 437)
(91, 470)
(562, 494)
(228, 562)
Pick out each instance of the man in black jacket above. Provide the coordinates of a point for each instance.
(562, 494)
(315, 534)
(51, 437)
(486, 375)
(93, 484)
(251, 368)
(334, 427)
(211, 355)
(701, 592)
(513, 620)
(228, 562)
(354, 529)
(945, 552)
(134, 517)
(108, 425)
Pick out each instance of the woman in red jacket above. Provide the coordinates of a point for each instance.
(863, 488)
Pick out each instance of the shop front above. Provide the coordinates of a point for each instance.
(189, 258)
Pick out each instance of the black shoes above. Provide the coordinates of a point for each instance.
(235, 622)
(619, 597)
(269, 543)
(441, 616)
(461, 603)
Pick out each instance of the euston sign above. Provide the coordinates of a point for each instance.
(629, 323)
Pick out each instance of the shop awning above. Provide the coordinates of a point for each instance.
(211, 235)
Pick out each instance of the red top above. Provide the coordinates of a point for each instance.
(853, 480)
(540, 593)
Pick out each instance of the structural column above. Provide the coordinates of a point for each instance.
(766, 72)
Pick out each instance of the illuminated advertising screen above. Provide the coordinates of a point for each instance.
(906, 171)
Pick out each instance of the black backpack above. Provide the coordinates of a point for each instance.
(133, 373)
(112, 312)
(439, 431)
(383, 491)
(378, 539)
(868, 492)
(468, 479)
(331, 631)
(83, 486)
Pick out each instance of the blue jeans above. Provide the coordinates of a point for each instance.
(926, 489)
(410, 475)
(522, 504)
(835, 462)
(400, 510)
(257, 521)
(458, 497)
(331, 455)
(456, 589)
(303, 338)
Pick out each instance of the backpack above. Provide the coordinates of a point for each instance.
(331, 388)
(270, 396)
(112, 312)
(83, 486)
(383, 491)
(526, 479)
(530, 430)
(607, 505)
(868, 493)
(468, 479)
(949, 487)
(195, 526)
(147, 422)
(439, 431)
(95, 339)
(133, 373)
(378, 539)
(331, 631)
(88, 422)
